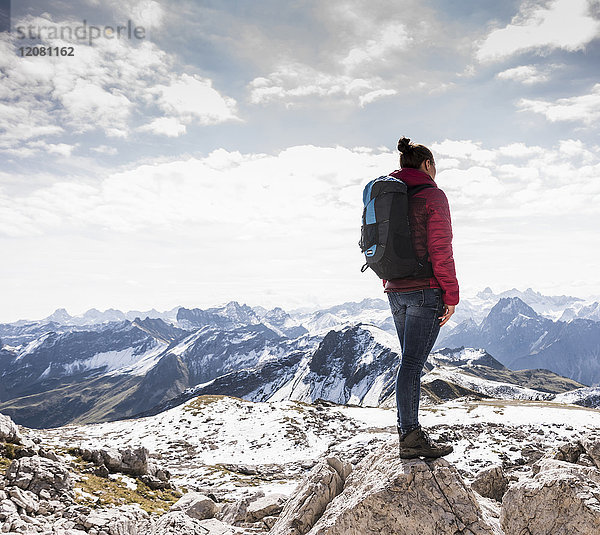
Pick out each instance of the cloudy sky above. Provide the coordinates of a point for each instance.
(222, 155)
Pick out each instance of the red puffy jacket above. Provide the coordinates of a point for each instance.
(431, 231)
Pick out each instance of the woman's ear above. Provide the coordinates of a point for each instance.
(429, 167)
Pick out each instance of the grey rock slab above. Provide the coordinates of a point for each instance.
(308, 502)
(178, 523)
(235, 512)
(196, 505)
(109, 457)
(269, 521)
(591, 444)
(265, 506)
(569, 452)
(155, 483)
(387, 495)
(123, 520)
(216, 527)
(135, 460)
(7, 508)
(491, 483)
(38, 473)
(561, 498)
(24, 498)
(9, 432)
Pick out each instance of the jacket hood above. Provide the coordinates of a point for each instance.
(413, 177)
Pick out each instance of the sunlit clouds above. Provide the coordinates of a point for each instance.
(563, 24)
(223, 155)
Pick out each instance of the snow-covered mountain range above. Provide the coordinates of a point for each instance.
(521, 338)
(106, 366)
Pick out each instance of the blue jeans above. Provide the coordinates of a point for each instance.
(416, 315)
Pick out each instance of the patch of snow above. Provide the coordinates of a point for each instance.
(129, 482)
(467, 355)
(382, 337)
(32, 346)
(578, 394)
(193, 439)
(118, 362)
(187, 342)
(494, 389)
(372, 397)
(142, 363)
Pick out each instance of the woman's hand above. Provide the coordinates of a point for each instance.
(448, 311)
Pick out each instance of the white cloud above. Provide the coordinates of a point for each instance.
(520, 150)
(191, 97)
(359, 65)
(526, 74)
(375, 95)
(391, 39)
(464, 149)
(166, 126)
(105, 149)
(62, 149)
(147, 13)
(176, 194)
(575, 148)
(584, 108)
(562, 24)
(314, 185)
(105, 87)
(291, 220)
(297, 81)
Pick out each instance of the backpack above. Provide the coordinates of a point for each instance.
(385, 237)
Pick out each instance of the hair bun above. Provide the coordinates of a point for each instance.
(404, 144)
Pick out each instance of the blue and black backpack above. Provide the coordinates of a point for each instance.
(385, 237)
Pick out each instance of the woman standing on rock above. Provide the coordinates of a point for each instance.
(420, 306)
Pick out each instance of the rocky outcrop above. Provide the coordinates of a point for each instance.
(196, 505)
(9, 432)
(591, 446)
(386, 494)
(132, 461)
(40, 476)
(570, 452)
(558, 499)
(126, 520)
(563, 496)
(234, 512)
(491, 483)
(550, 493)
(322, 484)
(179, 523)
(126, 461)
(267, 506)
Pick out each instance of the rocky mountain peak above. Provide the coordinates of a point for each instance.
(60, 315)
(508, 308)
(230, 315)
(485, 293)
(240, 312)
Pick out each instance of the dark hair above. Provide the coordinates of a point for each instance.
(413, 155)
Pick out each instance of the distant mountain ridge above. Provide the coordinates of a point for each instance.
(55, 373)
(357, 366)
(520, 338)
(374, 310)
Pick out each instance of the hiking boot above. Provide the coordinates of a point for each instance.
(417, 443)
